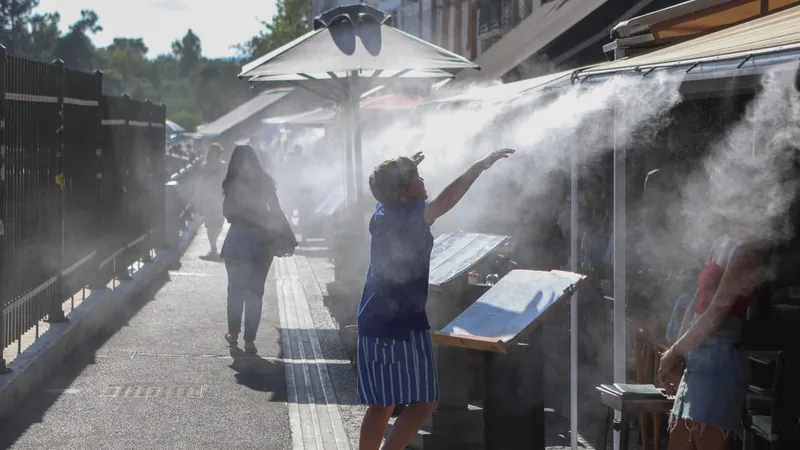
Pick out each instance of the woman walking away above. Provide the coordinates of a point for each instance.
(210, 195)
(395, 355)
(710, 392)
(259, 231)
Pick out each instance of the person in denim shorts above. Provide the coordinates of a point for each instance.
(710, 391)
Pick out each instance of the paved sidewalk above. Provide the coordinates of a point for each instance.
(166, 379)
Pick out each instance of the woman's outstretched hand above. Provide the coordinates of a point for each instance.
(495, 156)
(418, 158)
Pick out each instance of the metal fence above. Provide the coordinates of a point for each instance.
(82, 190)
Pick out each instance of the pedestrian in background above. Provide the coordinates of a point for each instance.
(210, 196)
(259, 231)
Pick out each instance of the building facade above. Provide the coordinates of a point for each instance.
(513, 39)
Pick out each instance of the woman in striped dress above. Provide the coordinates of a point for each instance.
(395, 354)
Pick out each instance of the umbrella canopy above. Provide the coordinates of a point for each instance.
(351, 50)
(173, 128)
(354, 38)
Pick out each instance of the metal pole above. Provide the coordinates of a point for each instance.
(3, 289)
(620, 325)
(55, 311)
(358, 170)
(348, 156)
(573, 313)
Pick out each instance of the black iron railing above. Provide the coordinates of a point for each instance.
(82, 190)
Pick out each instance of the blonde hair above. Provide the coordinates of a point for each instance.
(390, 177)
(213, 148)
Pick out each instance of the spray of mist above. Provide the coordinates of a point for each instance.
(748, 180)
(544, 131)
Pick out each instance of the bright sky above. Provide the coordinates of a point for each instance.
(218, 23)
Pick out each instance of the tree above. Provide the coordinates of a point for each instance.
(189, 51)
(127, 68)
(136, 45)
(75, 48)
(14, 17)
(42, 38)
(289, 23)
(195, 89)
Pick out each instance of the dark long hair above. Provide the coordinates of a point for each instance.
(245, 173)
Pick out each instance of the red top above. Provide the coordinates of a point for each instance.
(708, 282)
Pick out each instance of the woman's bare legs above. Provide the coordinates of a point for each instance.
(406, 426)
(213, 236)
(713, 438)
(689, 435)
(680, 438)
(373, 426)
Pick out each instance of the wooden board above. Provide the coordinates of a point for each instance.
(455, 253)
(508, 312)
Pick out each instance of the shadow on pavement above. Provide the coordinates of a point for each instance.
(212, 258)
(33, 409)
(315, 372)
(259, 374)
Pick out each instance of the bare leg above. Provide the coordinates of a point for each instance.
(406, 426)
(713, 438)
(374, 426)
(681, 438)
(213, 237)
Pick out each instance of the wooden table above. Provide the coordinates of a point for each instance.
(629, 407)
(506, 316)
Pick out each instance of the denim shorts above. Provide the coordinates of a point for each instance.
(716, 380)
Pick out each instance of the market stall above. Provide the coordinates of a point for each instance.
(726, 63)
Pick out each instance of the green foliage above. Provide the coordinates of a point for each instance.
(14, 18)
(75, 48)
(289, 23)
(195, 89)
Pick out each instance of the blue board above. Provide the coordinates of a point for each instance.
(509, 311)
(455, 253)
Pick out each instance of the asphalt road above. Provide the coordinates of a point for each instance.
(164, 378)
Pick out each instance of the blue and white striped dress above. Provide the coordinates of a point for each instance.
(395, 371)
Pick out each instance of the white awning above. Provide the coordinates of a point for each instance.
(769, 35)
(545, 24)
(501, 93)
(243, 112)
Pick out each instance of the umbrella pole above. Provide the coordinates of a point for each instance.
(358, 169)
(348, 155)
(620, 324)
(573, 313)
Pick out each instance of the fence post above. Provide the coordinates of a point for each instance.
(152, 206)
(98, 210)
(3, 367)
(123, 153)
(159, 141)
(55, 310)
(173, 215)
(102, 151)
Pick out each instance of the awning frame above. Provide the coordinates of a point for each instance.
(745, 68)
